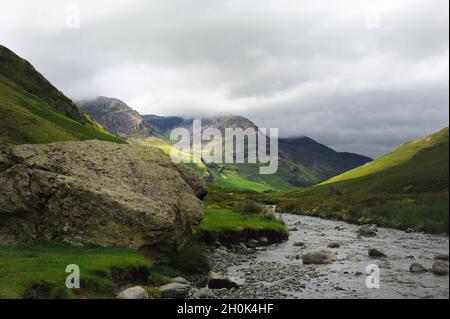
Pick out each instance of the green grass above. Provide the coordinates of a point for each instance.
(225, 219)
(28, 119)
(407, 188)
(45, 263)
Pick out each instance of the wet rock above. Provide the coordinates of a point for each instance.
(410, 230)
(441, 257)
(219, 281)
(202, 293)
(297, 257)
(174, 291)
(299, 244)
(133, 293)
(367, 231)
(440, 268)
(323, 256)
(417, 268)
(358, 273)
(263, 241)
(180, 280)
(376, 253)
(334, 245)
(293, 229)
(410, 257)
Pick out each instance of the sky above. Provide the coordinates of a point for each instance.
(357, 75)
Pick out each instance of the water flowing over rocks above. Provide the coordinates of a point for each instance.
(276, 273)
(97, 193)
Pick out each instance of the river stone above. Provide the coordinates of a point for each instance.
(440, 268)
(174, 291)
(202, 293)
(367, 231)
(97, 193)
(299, 244)
(252, 243)
(323, 256)
(417, 268)
(133, 293)
(334, 245)
(441, 257)
(263, 241)
(376, 253)
(180, 280)
(219, 281)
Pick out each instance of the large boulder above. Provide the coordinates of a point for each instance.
(98, 193)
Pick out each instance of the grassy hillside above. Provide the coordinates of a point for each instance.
(405, 188)
(39, 270)
(33, 111)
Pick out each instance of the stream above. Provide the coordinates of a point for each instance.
(277, 271)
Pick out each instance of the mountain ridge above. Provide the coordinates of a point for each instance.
(303, 161)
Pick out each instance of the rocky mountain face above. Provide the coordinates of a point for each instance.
(303, 161)
(97, 193)
(117, 117)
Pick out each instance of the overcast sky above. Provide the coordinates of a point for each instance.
(360, 76)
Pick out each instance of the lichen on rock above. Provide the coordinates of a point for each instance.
(97, 193)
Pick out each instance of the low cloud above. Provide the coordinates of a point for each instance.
(360, 76)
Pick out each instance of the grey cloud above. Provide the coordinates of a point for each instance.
(311, 67)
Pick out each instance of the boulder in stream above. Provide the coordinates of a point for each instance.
(323, 256)
(440, 268)
(376, 253)
(417, 268)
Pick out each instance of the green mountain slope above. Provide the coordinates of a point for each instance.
(302, 161)
(405, 188)
(34, 111)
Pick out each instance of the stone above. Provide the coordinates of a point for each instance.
(252, 243)
(203, 293)
(376, 253)
(180, 280)
(219, 281)
(299, 244)
(97, 193)
(440, 268)
(409, 230)
(367, 231)
(323, 256)
(441, 257)
(355, 258)
(133, 293)
(334, 245)
(263, 241)
(417, 268)
(174, 291)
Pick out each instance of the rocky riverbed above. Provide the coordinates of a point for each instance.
(277, 271)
